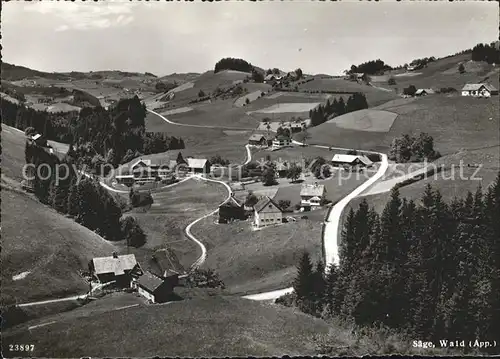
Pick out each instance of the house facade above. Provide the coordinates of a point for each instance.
(351, 160)
(122, 269)
(312, 195)
(156, 289)
(267, 213)
(479, 90)
(281, 141)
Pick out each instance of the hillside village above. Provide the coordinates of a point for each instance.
(241, 186)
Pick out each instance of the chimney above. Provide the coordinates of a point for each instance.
(115, 255)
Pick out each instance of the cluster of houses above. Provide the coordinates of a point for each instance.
(261, 140)
(481, 90)
(148, 171)
(277, 79)
(312, 196)
(123, 271)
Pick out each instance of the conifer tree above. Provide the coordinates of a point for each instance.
(303, 283)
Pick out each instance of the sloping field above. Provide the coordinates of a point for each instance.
(252, 96)
(454, 122)
(49, 246)
(249, 260)
(373, 95)
(215, 326)
(220, 113)
(173, 209)
(176, 111)
(202, 142)
(366, 120)
(288, 107)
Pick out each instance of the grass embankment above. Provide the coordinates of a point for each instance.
(173, 209)
(51, 247)
(200, 327)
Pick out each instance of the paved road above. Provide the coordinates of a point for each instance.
(331, 233)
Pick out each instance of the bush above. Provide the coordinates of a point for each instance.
(392, 81)
(204, 278)
(284, 204)
(132, 232)
(139, 199)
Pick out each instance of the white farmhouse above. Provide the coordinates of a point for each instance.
(267, 213)
(479, 90)
(311, 195)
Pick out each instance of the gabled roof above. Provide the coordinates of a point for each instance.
(36, 137)
(257, 137)
(117, 265)
(269, 77)
(149, 282)
(263, 202)
(476, 87)
(231, 202)
(196, 162)
(419, 91)
(313, 190)
(351, 158)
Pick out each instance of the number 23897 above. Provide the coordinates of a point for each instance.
(21, 347)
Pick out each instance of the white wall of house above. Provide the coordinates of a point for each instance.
(146, 294)
(481, 93)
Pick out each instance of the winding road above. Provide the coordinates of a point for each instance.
(331, 232)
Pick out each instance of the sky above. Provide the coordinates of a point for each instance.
(178, 37)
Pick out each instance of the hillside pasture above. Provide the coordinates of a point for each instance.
(454, 122)
(373, 95)
(50, 247)
(366, 120)
(247, 260)
(219, 113)
(173, 209)
(202, 140)
(252, 96)
(288, 107)
(211, 326)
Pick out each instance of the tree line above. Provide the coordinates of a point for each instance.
(484, 52)
(113, 136)
(230, 63)
(56, 184)
(428, 269)
(336, 108)
(408, 148)
(373, 67)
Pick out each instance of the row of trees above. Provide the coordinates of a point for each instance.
(230, 63)
(56, 184)
(408, 148)
(429, 269)
(373, 67)
(336, 108)
(98, 135)
(484, 52)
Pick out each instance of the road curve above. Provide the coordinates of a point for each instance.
(330, 239)
(201, 259)
(199, 126)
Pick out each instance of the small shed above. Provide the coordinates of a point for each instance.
(157, 289)
(198, 165)
(351, 160)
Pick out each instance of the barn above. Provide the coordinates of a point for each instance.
(230, 210)
(119, 268)
(351, 160)
(157, 289)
